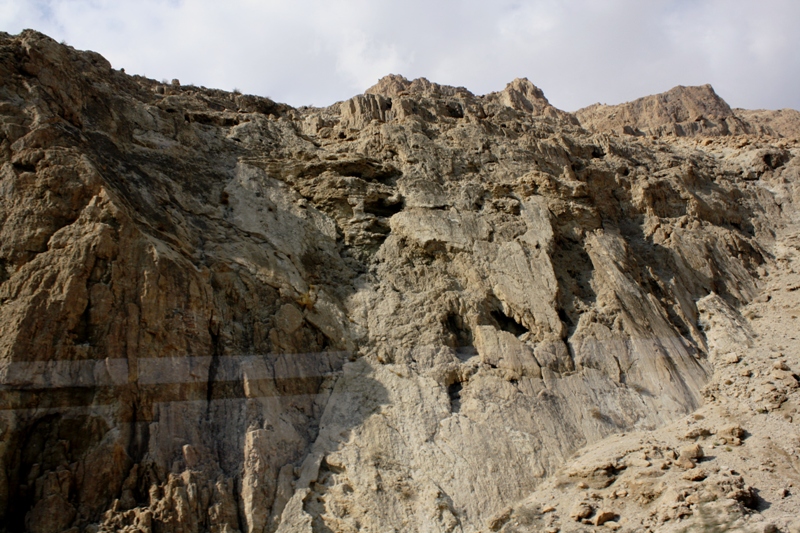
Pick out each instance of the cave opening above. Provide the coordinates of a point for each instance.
(383, 207)
(597, 152)
(507, 323)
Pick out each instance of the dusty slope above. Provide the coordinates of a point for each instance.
(402, 312)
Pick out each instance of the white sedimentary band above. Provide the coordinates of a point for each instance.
(168, 370)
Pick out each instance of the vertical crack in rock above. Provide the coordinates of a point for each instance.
(454, 392)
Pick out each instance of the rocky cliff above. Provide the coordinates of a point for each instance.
(403, 312)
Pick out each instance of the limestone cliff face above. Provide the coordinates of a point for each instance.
(401, 312)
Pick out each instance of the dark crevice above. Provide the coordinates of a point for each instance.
(774, 161)
(460, 333)
(507, 323)
(454, 392)
(213, 367)
(454, 110)
(383, 207)
(363, 168)
(3, 271)
(24, 167)
(564, 317)
(83, 331)
(208, 119)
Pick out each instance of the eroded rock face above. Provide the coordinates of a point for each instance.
(406, 310)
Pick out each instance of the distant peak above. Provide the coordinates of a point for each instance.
(526, 88)
(395, 85)
(390, 85)
(682, 110)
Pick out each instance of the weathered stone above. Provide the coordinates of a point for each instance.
(580, 511)
(604, 516)
(219, 313)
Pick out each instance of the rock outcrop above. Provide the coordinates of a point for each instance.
(402, 312)
(681, 111)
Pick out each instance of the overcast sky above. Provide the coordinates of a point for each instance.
(316, 52)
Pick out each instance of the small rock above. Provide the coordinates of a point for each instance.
(635, 461)
(732, 434)
(497, 521)
(604, 516)
(190, 455)
(731, 358)
(780, 365)
(697, 474)
(692, 451)
(771, 528)
(697, 433)
(580, 511)
(548, 509)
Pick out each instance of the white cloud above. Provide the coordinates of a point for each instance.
(320, 51)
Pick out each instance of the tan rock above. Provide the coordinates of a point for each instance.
(601, 517)
(692, 451)
(502, 516)
(410, 308)
(580, 511)
(731, 434)
(731, 358)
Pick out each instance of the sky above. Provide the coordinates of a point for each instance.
(317, 52)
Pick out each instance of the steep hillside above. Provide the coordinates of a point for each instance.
(403, 312)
